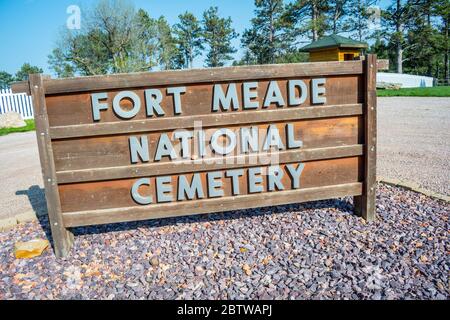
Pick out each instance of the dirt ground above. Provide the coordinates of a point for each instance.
(413, 146)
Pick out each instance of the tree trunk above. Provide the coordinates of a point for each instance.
(399, 58)
(446, 71)
(271, 37)
(399, 30)
(314, 21)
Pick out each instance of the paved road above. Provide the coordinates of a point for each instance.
(413, 138)
(414, 141)
(20, 175)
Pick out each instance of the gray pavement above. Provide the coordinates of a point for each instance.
(20, 176)
(413, 146)
(414, 141)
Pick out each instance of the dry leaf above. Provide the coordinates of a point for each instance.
(30, 249)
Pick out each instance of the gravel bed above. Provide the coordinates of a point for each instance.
(317, 250)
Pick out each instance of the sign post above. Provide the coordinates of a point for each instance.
(151, 145)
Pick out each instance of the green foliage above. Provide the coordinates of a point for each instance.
(167, 50)
(270, 36)
(5, 79)
(115, 39)
(21, 75)
(25, 70)
(217, 34)
(188, 37)
(310, 18)
(29, 127)
(443, 91)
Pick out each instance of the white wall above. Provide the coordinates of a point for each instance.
(406, 80)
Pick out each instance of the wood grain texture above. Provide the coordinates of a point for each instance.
(188, 122)
(365, 204)
(177, 77)
(114, 151)
(197, 101)
(116, 193)
(238, 161)
(62, 238)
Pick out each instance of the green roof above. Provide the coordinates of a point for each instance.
(333, 41)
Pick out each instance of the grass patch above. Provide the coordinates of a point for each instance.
(443, 91)
(29, 127)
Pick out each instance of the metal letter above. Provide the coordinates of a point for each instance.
(165, 148)
(234, 175)
(291, 142)
(97, 106)
(163, 186)
(316, 91)
(220, 149)
(126, 114)
(153, 98)
(221, 100)
(184, 136)
(249, 95)
(248, 139)
(293, 99)
(176, 91)
(190, 190)
(135, 191)
(215, 182)
(295, 174)
(254, 180)
(274, 176)
(273, 95)
(139, 148)
(273, 139)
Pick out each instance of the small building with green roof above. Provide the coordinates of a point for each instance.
(334, 48)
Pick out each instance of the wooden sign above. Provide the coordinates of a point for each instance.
(161, 144)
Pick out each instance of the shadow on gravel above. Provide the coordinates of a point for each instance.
(36, 196)
(344, 204)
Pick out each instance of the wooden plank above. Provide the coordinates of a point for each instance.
(114, 151)
(188, 122)
(21, 87)
(62, 238)
(177, 77)
(116, 193)
(197, 101)
(94, 217)
(365, 204)
(239, 161)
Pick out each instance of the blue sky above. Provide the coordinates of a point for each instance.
(29, 28)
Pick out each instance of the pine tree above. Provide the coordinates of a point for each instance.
(309, 17)
(188, 38)
(360, 18)
(396, 17)
(166, 47)
(441, 9)
(217, 35)
(270, 36)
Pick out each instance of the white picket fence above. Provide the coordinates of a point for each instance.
(17, 102)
